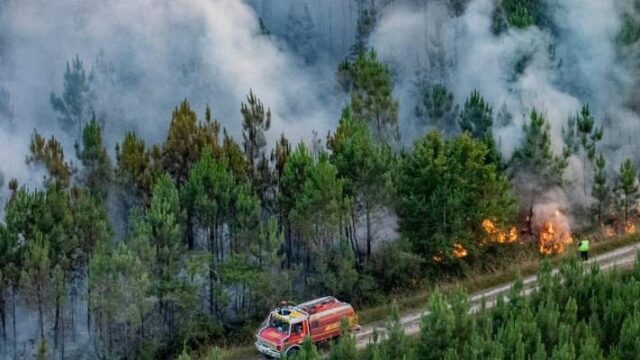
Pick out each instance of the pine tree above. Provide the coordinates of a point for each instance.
(76, 103)
(134, 173)
(296, 170)
(345, 347)
(49, 154)
(463, 322)
(256, 121)
(233, 157)
(214, 354)
(395, 346)
(366, 168)
(590, 348)
(627, 188)
(165, 219)
(437, 328)
(440, 206)
(534, 165)
(629, 342)
(581, 137)
(369, 82)
(600, 189)
(187, 140)
(184, 355)
(588, 133)
(476, 119)
(521, 14)
(367, 19)
(92, 153)
(535, 154)
(35, 277)
(208, 194)
(59, 299)
(308, 351)
(436, 106)
(317, 213)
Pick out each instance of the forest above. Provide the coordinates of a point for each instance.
(577, 313)
(131, 232)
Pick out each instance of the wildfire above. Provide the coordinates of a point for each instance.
(619, 227)
(609, 231)
(459, 251)
(552, 242)
(498, 236)
(553, 227)
(630, 228)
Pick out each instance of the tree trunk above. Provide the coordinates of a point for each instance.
(41, 315)
(141, 325)
(3, 316)
(289, 244)
(244, 291)
(56, 326)
(73, 321)
(368, 216)
(212, 245)
(189, 231)
(62, 333)
(13, 318)
(354, 235)
(88, 300)
(307, 264)
(626, 210)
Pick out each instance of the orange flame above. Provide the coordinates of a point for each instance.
(629, 228)
(459, 251)
(498, 236)
(552, 242)
(609, 231)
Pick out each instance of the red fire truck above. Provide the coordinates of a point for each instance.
(287, 326)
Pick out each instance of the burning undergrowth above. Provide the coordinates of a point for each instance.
(496, 235)
(553, 228)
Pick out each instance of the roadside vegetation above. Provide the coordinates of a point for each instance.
(578, 313)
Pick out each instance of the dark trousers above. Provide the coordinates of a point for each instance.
(584, 255)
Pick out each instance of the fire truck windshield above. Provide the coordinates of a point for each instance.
(279, 324)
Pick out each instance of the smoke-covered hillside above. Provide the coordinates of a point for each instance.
(433, 134)
(212, 52)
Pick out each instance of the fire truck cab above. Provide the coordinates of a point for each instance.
(282, 333)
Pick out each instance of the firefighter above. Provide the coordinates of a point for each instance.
(583, 247)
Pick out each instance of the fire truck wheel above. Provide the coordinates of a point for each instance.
(291, 353)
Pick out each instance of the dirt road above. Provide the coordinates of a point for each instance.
(621, 257)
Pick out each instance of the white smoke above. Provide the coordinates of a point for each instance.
(574, 63)
(147, 56)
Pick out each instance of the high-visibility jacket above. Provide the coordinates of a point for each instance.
(584, 245)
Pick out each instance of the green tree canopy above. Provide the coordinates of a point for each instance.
(446, 189)
(627, 189)
(92, 153)
(372, 101)
(76, 103)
